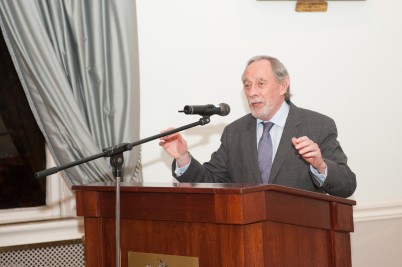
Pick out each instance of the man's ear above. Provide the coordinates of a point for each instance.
(284, 86)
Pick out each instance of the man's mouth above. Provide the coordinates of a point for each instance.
(256, 103)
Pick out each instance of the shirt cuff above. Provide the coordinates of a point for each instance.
(319, 176)
(180, 170)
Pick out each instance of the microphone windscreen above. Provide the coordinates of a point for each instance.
(225, 109)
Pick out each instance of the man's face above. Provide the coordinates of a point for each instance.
(264, 93)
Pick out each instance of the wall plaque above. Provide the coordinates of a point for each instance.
(141, 259)
(311, 6)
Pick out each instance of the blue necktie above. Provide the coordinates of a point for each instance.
(265, 152)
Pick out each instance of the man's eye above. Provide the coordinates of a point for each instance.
(261, 84)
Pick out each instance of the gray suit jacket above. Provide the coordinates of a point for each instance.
(236, 159)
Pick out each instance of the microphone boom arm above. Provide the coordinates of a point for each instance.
(119, 149)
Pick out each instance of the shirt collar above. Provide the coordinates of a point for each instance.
(280, 116)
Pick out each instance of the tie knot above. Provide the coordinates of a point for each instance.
(267, 126)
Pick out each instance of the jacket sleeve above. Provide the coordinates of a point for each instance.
(340, 181)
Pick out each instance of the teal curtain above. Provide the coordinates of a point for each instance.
(78, 64)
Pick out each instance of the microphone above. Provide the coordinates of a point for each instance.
(207, 110)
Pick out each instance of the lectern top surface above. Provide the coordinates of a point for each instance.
(205, 188)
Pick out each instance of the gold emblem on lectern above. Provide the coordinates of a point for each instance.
(160, 264)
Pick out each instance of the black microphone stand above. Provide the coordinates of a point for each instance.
(116, 161)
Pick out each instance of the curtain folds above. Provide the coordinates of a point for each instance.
(78, 64)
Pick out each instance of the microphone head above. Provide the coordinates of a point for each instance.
(225, 109)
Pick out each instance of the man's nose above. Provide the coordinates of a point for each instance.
(251, 90)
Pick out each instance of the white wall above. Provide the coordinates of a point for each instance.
(345, 63)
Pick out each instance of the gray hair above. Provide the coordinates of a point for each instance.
(279, 70)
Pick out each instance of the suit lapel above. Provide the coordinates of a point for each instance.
(251, 145)
(285, 145)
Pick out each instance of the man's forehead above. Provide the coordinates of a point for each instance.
(246, 79)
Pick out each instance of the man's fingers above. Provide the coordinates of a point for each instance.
(170, 136)
(301, 142)
(305, 146)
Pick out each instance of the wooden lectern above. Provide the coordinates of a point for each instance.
(222, 224)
